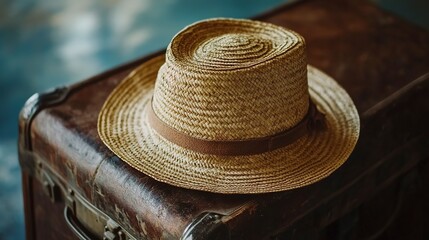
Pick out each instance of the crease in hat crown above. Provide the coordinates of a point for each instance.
(229, 79)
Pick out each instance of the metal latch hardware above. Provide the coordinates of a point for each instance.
(112, 231)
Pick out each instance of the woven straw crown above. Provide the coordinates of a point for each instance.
(225, 83)
(220, 83)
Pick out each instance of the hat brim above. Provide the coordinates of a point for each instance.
(122, 126)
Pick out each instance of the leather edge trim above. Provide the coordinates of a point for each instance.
(33, 106)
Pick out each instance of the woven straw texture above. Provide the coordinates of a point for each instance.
(227, 79)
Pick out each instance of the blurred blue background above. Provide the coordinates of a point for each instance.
(44, 44)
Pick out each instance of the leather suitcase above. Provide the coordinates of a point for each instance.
(74, 187)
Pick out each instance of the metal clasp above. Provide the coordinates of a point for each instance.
(112, 231)
(49, 186)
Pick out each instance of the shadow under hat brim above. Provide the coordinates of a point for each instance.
(123, 127)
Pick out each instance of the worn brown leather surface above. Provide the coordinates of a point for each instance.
(372, 54)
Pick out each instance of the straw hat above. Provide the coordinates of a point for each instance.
(233, 107)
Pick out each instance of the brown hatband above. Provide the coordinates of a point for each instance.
(313, 121)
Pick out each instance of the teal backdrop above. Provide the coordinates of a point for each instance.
(45, 43)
